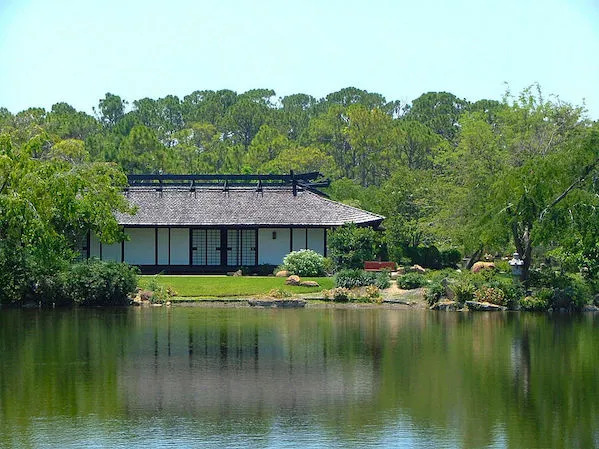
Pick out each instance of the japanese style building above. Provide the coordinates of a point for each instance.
(218, 223)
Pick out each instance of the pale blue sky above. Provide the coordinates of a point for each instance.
(76, 50)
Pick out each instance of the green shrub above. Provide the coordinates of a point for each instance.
(434, 293)
(450, 258)
(491, 295)
(439, 275)
(463, 290)
(410, 281)
(99, 283)
(352, 278)
(373, 293)
(153, 284)
(279, 293)
(382, 280)
(350, 246)
(572, 295)
(329, 266)
(432, 257)
(338, 294)
(513, 291)
(160, 295)
(548, 277)
(532, 304)
(537, 303)
(503, 266)
(426, 256)
(569, 291)
(304, 262)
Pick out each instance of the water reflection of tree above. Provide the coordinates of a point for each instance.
(58, 363)
(473, 379)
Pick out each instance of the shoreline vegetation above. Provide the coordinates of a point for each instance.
(422, 293)
(457, 181)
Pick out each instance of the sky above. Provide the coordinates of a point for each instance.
(77, 50)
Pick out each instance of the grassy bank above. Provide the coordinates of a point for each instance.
(229, 286)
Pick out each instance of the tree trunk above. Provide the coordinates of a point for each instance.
(524, 248)
(474, 258)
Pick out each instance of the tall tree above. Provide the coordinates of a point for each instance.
(512, 175)
(46, 206)
(440, 111)
(111, 109)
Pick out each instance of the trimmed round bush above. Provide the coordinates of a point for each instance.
(304, 262)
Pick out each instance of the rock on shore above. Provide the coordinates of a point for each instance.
(484, 306)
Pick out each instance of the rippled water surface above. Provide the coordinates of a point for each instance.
(200, 377)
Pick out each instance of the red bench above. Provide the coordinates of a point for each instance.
(379, 266)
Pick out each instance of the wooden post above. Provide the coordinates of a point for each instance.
(256, 251)
(155, 245)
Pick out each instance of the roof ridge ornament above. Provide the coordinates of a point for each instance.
(307, 181)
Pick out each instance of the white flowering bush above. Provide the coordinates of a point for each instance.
(304, 262)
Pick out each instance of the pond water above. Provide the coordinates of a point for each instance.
(208, 377)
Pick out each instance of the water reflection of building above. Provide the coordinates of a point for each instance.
(231, 368)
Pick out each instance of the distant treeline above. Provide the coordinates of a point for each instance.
(351, 133)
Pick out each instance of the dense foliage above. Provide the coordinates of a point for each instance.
(410, 281)
(100, 283)
(352, 278)
(451, 176)
(304, 262)
(350, 246)
(51, 196)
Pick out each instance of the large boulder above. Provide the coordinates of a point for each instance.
(282, 274)
(484, 306)
(309, 284)
(293, 280)
(447, 306)
(479, 266)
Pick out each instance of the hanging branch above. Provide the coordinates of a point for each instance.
(561, 196)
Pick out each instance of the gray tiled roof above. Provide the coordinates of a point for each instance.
(239, 207)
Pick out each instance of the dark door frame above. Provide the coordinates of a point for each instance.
(222, 248)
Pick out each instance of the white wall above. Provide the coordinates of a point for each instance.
(179, 246)
(109, 252)
(162, 246)
(112, 252)
(271, 251)
(299, 239)
(316, 240)
(140, 248)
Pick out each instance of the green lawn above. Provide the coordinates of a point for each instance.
(227, 286)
